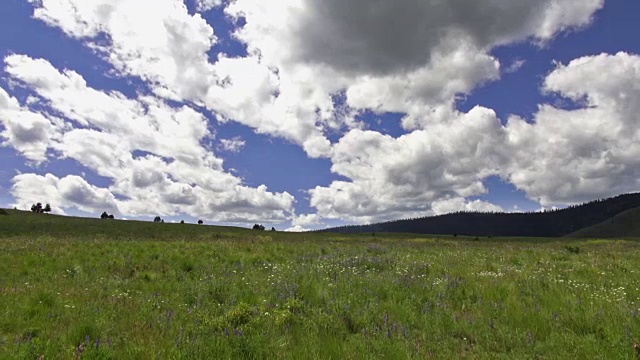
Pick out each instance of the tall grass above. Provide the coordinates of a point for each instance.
(279, 296)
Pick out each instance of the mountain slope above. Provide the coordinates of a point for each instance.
(541, 224)
(623, 225)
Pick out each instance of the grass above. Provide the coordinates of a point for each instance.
(99, 289)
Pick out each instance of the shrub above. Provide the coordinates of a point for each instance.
(573, 249)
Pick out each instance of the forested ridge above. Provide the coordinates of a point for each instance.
(551, 223)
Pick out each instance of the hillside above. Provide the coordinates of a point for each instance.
(21, 223)
(623, 225)
(16, 223)
(540, 224)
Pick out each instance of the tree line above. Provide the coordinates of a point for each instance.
(548, 223)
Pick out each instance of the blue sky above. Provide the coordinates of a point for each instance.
(302, 116)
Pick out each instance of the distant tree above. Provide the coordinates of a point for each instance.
(181, 221)
(258, 227)
(273, 229)
(157, 219)
(200, 222)
(162, 221)
(105, 215)
(36, 208)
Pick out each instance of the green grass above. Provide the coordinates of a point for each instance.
(101, 289)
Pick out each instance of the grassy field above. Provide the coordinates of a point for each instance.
(100, 289)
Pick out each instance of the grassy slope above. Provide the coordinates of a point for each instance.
(18, 223)
(21, 223)
(72, 288)
(624, 225)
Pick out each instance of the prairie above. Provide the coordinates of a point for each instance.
(104, 289)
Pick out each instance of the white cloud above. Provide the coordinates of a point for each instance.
(106, 130)
(447, 206)
(516, 65)
(409, 56)
(423, 52)
(568, 156)
(403, 177)
(27, 132)
(160, 42)
(563, 157)
(156, 40)
(61, 193)
(296, 228)
(233, 145)
(307, 220)
(206, 5)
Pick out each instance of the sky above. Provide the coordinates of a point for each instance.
(306, 114)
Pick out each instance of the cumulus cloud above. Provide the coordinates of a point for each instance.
(67, 192)
(408, 56)
(156, 40)
(447, 206)
(205, 5)
(27, 132)
(296, 228)
(233, 145)
(107, 132)
(306, 220)
(383, 36)
(562, 157)
(401, 177)
(304, 52)
(161, 43)
(568, 156)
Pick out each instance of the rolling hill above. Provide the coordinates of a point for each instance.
(623, 225)
(555, 223)
(16, 223)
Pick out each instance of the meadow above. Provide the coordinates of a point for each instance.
(103, 289)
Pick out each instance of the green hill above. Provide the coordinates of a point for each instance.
(623, 225)
(555, 223)
(21, 223)
(16, 223)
